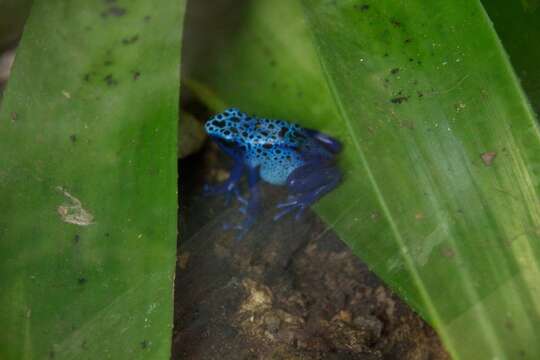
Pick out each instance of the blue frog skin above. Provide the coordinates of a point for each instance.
(278, 152)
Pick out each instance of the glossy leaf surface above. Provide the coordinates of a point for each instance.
(440, 196)
(88, 182)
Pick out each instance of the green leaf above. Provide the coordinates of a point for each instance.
(88, 182)
(440, 193)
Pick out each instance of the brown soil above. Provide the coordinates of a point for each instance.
(288, 290)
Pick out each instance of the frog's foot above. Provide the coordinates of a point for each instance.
(293, 204)
(251, 209)
(229, 188)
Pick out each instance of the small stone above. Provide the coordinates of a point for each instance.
(191, 135)
(344, 316)
(183, 260)
(272, 322)
(370, 324)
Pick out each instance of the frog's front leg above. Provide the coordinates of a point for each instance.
(252, 206)
(306, 185)
(229, 187)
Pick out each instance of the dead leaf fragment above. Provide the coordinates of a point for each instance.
(488, 157)
(72, 211)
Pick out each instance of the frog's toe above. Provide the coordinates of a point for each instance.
(242, 200)
(241, 228)
(290, 206)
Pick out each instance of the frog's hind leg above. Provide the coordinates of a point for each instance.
(306, 185)
(328, 142)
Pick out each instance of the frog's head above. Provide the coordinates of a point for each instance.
(223, 129)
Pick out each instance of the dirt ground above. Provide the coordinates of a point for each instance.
(288, 290)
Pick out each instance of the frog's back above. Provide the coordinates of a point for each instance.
(278, 147)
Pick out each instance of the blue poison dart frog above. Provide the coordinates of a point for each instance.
(278, 152)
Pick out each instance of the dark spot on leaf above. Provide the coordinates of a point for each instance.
(273, 62)
(114, 11)
(411, 59)
(136, 75)
(420, 94)
(363, 7)
(130, 40)
(147, 18)
(488, 157)
(385, 55)
(109, 80)
(107, 234)
(395, 23)
(73, 138)
(407, 41)
(86, 77)
(144, 344)
(448, 252)
(81, 281)
(107, 62)
(394, 71)
(399, 99)
(76, 238)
